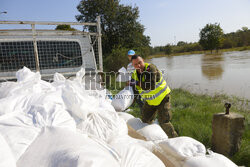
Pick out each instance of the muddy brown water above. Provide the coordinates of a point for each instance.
(228, 73)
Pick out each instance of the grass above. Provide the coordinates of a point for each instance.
(192, 116)
(201, 52)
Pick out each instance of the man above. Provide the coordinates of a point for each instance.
(153, 89)
(130, 67)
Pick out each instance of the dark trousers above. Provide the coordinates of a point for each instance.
(164, 115)
(139, 101)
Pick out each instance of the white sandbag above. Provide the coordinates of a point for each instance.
(6, 157)
(5, 87)
(123, 75)
(18, 131)
(134, 154)
(80, 102)
(123, 99)
(125, 116)
(153, 132)
(104, 125)
(62, 147)
(11, 103)
(58, 77)
(51, 114)
(211, 160)
(25, 74)
(75, 102)
(79, 75)
(92, 112)
(127, 140)
(136, 123)
(183, 147)
(27, 82)
(21, 126)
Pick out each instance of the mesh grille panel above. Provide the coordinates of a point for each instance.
(52, 55)
(59, 54)
(15, 55)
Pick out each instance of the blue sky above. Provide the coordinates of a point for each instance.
(166, 21)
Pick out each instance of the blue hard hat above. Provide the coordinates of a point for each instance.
(131, 52)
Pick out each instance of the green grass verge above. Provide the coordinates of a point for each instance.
(192, 116)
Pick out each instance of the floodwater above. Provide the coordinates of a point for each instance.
(228, 73)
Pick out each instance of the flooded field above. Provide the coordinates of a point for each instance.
(228, 73)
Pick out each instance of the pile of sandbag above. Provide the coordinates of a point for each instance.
(63, 124)
(176, 152)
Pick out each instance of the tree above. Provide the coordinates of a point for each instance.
(117, 59)
(168, 49)
(65, 27)
(181, 43)
(244, 29)
(211, 37)
(119, 24)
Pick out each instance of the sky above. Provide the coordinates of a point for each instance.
(165, 21)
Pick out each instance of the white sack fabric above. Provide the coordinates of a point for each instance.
(136, 123)
(183, 147)
(6, 157)
(135, 153)
(62, 147)
(125, 116)
(123, 99)
(123, 75)
(153, 132)
(211, 160)
(18, 131)
(104, 125)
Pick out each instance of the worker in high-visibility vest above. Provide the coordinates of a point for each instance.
(130, 70)
(148, 81)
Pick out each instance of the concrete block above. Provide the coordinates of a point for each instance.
(227, 132)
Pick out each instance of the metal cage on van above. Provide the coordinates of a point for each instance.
(49, 51)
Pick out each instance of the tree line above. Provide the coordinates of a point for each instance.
(211, 37)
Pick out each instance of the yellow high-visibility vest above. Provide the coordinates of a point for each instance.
(152, 97)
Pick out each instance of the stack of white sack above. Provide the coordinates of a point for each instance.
(50, 124)
(123, 99)
(35, 104)
(180, 151)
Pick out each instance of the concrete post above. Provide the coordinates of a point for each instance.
(227, 133)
